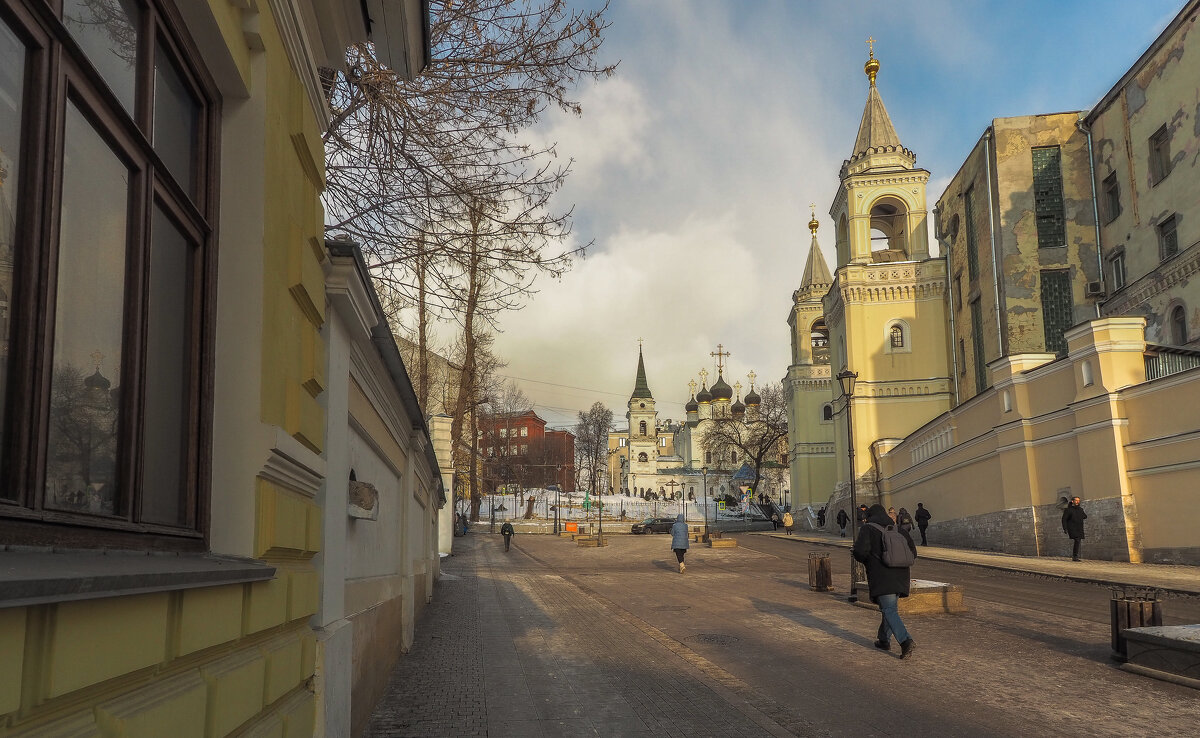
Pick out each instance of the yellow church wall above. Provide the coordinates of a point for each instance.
(1050, 429)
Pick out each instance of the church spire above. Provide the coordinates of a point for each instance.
(816, 271)
(875, 130)
(641, 388)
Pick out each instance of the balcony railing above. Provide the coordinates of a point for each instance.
(1162, 361)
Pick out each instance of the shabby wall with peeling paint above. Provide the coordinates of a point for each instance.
(998, 177)
(1161, 91)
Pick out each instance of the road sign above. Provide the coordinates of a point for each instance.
(720, 504)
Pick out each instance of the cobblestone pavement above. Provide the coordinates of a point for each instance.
(555, 640)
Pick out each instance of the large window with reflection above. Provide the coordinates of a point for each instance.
(106, 267)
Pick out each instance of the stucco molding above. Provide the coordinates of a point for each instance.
(299, 50)
(293, 465)
(1158, 280)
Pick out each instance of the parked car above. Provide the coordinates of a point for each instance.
(653, 525)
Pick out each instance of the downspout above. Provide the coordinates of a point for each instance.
(937, 220)
(987, 160)
(1095, 208)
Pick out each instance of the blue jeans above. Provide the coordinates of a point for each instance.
(891, 624)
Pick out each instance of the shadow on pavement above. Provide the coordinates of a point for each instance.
(809, 620)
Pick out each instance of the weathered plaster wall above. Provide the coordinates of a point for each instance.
(1164, 90)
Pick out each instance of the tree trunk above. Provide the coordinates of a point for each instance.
(422, 337)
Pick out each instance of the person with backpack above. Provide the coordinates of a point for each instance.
(507, 531)
(679, 540)
(923, 517)
(843, 520)
(887, 553)
(904, 521)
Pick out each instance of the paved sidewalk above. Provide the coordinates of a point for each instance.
(508, 651)
(1184, 580)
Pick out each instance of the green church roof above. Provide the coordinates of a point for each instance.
(641, 389)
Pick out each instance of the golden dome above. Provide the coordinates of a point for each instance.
(872, 65)
(813, 224)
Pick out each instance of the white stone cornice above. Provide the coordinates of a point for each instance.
(348, 296)
(292, 465)
(299, 49)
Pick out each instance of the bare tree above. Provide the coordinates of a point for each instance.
(758, 439)
(591, 444)
(453, 205)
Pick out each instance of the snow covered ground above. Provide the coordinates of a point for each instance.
(615, 507)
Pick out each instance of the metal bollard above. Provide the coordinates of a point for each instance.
(1132, 608)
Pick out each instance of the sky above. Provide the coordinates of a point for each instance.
(695, 164)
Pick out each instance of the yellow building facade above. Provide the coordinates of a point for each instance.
(1048, 352)
(166, 578)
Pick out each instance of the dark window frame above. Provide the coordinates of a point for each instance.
(1117, 267)
(1110, 189)
(1168, 237)
(1160, 154)
(972, 236)
(1177, 322)
(58, 71)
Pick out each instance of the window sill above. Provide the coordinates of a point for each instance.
(38, 576)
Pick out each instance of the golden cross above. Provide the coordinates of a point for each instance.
(692, 387)
(738, 386)
(871, 43)
(97, 357)
(721, 356)
(752, 377)
(640, 343)
(703, 377)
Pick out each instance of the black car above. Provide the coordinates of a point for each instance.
(653, 525)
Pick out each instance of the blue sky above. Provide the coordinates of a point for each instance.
(695, 164)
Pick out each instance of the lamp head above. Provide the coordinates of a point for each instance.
(846, 379)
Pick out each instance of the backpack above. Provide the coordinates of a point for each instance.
(896, 552)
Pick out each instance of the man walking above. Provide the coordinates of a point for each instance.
(679, 540)
(1072, 523)
(843, 520)
(923, 517)
(507, 531)
(880, 547)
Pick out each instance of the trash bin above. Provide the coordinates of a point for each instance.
(820, 572)
(1132, 608)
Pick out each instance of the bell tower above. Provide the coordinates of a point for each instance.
(643, 430)
(886, 311)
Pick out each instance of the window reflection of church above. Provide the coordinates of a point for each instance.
(81, 466)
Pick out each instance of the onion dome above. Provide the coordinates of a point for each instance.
(738, 408)
(721, 390)
(752, 398)
(691, 405)
(97, 381)
(704, 396)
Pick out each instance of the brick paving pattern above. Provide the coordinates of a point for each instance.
(555, 640)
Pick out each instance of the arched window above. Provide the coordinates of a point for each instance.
(642, 428)
(708, 457)
(733, 457)
(827, 412)
(897, 338)
(643, 457)
(1179, 332)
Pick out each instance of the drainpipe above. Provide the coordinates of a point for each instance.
(987, 159)
(1095, 206)
(937, 219)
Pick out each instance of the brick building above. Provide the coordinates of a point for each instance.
(517, 449)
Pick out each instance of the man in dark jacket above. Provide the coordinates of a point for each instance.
(843, 520)
(923, 517)
(507, 531)
(1072, 523)
(887, 583)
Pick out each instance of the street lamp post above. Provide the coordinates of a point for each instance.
(557, 489)
(847, 378)
(704, 472)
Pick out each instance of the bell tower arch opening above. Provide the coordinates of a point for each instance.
(889, 229)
